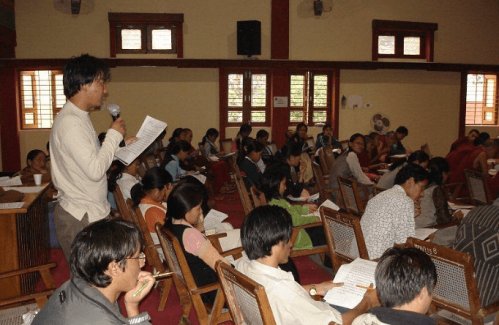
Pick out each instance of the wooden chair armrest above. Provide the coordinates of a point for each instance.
(235, 252)
(27, 270)
(206, 288)
(216, 236)
(215, 240)
(308, 225)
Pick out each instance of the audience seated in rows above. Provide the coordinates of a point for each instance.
(244, 132)
(123, 176)
(248, 163)
(219, 168)
(106, 261)
(398, 148)
(179, 152)
(35, 164)
(262, 136)
(294, 170)
(389, 216)
(405, 279)
(465, 140)
(326, 138)
(456, 157)
(265, 235)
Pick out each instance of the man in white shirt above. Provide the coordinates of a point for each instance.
(265, 237)
(389, 216)
(78, 162)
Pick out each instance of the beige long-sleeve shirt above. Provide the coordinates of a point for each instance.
(79, 164)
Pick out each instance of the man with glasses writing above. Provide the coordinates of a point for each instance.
(106, 261)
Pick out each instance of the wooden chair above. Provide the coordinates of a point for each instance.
(341, 230)
(321, 182)
(121, 204)
(456, 289)
(477, 187)
(246, 298)
(189, 292)
(40, 297)
(257, 197)
(349, 190)
(243, 192)
(326, 159)
(152, 255)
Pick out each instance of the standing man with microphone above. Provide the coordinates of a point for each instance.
(78, 163)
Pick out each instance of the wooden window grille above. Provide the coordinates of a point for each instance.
(310, 97)
(481, 99)
(41, 97)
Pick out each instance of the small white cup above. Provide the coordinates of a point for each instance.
(38, 179)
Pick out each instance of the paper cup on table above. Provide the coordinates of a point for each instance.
(38, 179)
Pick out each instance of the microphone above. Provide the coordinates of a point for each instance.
(114, 110)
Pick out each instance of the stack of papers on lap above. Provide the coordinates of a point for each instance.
(11, 205)
(423, 233)
(356, 277)
(455, 206)
(311, 198)
(328, 204)
(26, 189)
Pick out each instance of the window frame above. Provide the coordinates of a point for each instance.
(22, 110)
(485, 109)
(146, 22)
(246, 107)
(308, 107)
(401, 29)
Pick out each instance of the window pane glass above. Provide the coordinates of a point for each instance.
(235, 117)
(258, 90)
(235, 91)
(488, 116)
(475, 88)
(44, 98)
(296, 116)
(386, 44)
(320, 91)
(161, 39)
(258, 116)
(319, 116)
(131, 39)
(60, 98)
(27, 96)
(489, 98)
(297, 91)
(29, 118)
(412, 45)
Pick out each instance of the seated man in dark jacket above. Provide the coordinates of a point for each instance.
(106, 260)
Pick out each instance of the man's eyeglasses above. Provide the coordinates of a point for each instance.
(141, 257)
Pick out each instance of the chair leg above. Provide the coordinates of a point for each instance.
(215, 316)
(165, 288)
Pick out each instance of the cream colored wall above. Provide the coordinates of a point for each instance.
(209, 26)
(427, 103)
(467, 30)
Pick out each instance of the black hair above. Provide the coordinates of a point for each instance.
(474, 131)
(32, 155)
(418, 155)
(211, 132)
(181, 145)
(411, 170)
(182, 199)
(271, 180)
(293, 149)
(201, 189)
(264, 227)
(262, 134)
(326, 126)
(245, 128)
(176, 133)
(481, 139)
(83, 70)
(101, 137)
(299, 126)
(402, 130)
(114, 173)
(101, 243)
(250, 145)
(436, 168)
(154, 178)
(401, 274)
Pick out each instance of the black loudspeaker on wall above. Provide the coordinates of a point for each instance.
(248, 37)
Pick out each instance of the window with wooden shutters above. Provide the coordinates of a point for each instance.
(402, 40)
(309, 97)
(481, 99)
(41, 98)
(247, 97)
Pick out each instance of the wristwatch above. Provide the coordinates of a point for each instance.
(312, 291)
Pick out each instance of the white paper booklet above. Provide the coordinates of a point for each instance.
(214, 218)
(27, 189)
(14, 181)
(356, 277)
(149, 131)
(423, 233)
(328, 204)
(311, 198)
(11, 205)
